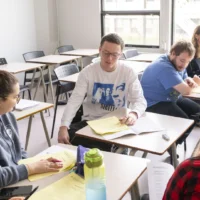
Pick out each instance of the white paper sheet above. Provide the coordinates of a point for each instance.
(159, 174)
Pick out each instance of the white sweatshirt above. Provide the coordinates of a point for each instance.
(102, 92)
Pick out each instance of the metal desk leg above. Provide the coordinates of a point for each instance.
(144, 155)
(135, 194)
(81, 61)
(50, 83)
(132, 152)
(174, 156)
(45, 128)
(28, 131)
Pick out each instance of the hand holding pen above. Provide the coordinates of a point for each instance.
(129, 119)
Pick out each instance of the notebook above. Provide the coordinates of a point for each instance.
(25, 104)
(142, 125)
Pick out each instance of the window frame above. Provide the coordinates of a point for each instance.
(145, 12)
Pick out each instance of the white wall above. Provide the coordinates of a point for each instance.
(79, 23)
(27, 25)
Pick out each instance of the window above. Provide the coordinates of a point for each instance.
(186, 18)
(136, 21)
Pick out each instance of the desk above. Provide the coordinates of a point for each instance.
(83, 53)
(194, 95)
(122, 172)
(15, 68)
(137, 66)
(150, 142)
(149, 57)
(29, 113)
(52, 60)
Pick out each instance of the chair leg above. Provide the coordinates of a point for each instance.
(55, 111)
(29, 94)
(185, 145)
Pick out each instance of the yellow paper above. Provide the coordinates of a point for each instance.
(107, 125)
(70, 187)
(196, 90)
(67, 158)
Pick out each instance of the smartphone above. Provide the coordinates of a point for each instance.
(7, 193)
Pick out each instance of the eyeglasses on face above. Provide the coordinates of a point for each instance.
(17, 98)
(113, 55)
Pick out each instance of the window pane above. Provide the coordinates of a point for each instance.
(117, 5)
(186, 18)
(138, 30)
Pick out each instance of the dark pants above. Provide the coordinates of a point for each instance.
(86, 142)
(183, 108)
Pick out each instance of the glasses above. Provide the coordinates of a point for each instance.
(17, 98)
(113, 55)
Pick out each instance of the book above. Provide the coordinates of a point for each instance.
(25, 104)
(142, 125)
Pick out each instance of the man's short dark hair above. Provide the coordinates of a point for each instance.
(183, 46)
(7, 82)
(113, 38)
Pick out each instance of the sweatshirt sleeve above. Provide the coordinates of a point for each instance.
(76, 99)
(136, 98)
(12, 174)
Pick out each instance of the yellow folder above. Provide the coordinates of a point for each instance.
(67, 158)
(107, 125)
(70, 187)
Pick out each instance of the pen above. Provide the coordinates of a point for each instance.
(31, 192)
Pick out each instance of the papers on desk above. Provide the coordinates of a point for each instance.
(142, 125)
(107, 125)
(68, 159)
(196, 90)
(70, 187)
(25, 104)
(159, 174)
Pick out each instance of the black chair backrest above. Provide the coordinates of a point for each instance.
(130, 53)
(66, 70)
(3, 61)
(33, 54)
(65, 48)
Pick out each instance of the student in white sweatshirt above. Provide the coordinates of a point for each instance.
(103, 87)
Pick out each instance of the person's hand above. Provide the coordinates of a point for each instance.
(63, 135)
(43, 166)
(130, 119)
(191, 83)
(17, 198)
(196, 79)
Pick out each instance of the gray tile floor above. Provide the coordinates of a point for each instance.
(38, 141)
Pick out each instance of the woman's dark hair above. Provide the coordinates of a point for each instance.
(194, 39)
(112, 38)
(7, 81)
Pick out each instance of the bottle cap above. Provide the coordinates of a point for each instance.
(93, 158)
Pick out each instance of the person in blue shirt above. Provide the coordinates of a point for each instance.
(165, 82)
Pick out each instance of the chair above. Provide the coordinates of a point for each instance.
(97, 59)
(65, 48)
(36, 54)
(23, 88)
(130, 53)
(65, 87)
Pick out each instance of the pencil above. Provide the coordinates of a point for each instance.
(31, 192)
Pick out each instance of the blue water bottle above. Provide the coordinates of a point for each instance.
(94, 172)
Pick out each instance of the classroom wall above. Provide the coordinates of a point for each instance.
(79, 23)
(27, 25)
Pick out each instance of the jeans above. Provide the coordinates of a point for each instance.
(183, 108)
